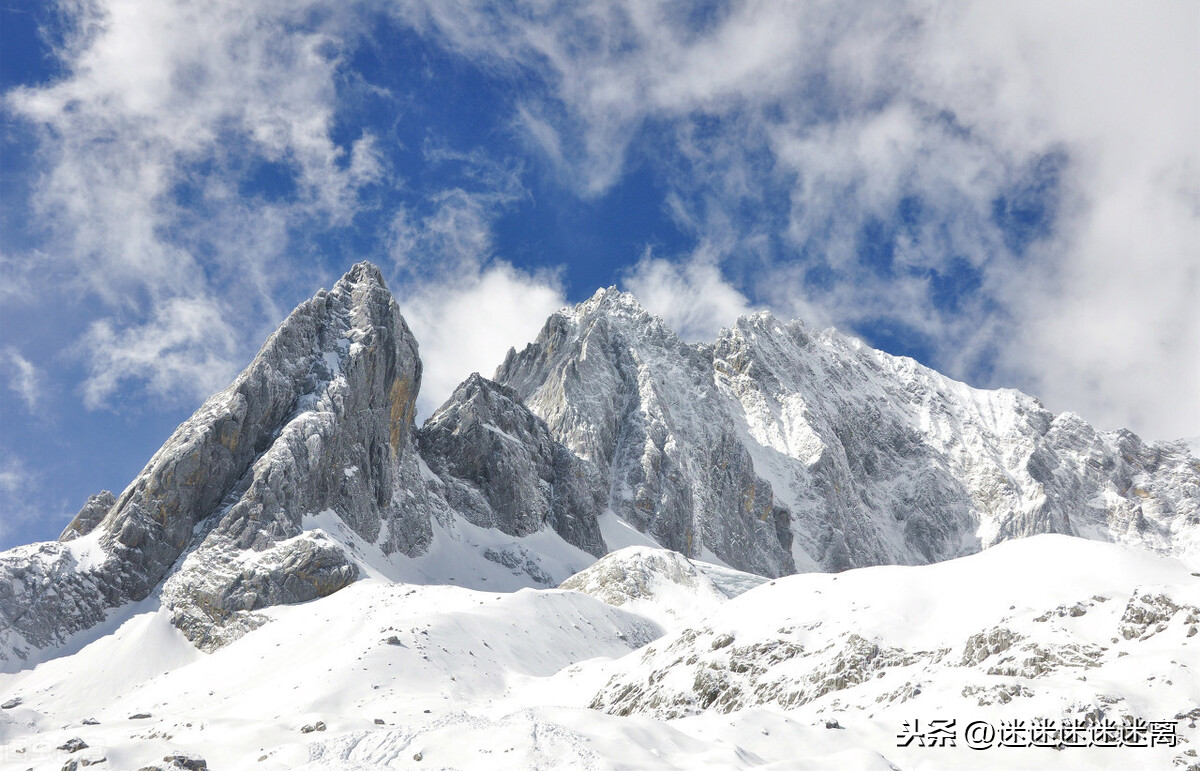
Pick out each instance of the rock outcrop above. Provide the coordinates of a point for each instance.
(660, 583)
(345, 370)
(92, 514)
(622, 391)
(321, 419)
(779, 448)
(502, 469)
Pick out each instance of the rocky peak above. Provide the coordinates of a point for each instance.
(620, 390)
(321, 419)
(502, 468)
(611, 302)
(92, 514)
(771, 450)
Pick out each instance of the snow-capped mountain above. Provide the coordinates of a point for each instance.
(773, 450)
(321, 419)
(778, 448)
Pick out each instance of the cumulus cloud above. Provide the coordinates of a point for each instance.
(465, 304)
(1030, 168)
(1108, 325)
(468, 324)
(1012, 183)
(693, 298)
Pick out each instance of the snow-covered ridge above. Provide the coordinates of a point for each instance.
(778, 448)
(659, 583)
(1046, 627)
(774, 449)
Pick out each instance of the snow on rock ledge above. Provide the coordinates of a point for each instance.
(660, 583)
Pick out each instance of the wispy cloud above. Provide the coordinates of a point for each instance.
(692, 297)
(165, 149)
(25, 379)
(187, 350)
(20, 504)
(1013, 184)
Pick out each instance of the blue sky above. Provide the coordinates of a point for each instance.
(1007, 192)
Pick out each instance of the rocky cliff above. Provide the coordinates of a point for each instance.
(774, 449)
(777, 447)
(321, 419)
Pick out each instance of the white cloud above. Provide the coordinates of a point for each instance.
(12, 475)
(465, 306)
(25, 379)
(17, 507)
(841, 112)
(781, 129)
(693, 298)
(185, 99)
(468, 324)
(1108, 325)
(187, 350)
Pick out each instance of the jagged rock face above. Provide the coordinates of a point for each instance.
(321, 419)
(620, 390)
(33, 617)
(502, 469)
(92, 514)
(777, 448)
(347, 444)
(882, 460)
(773, 449)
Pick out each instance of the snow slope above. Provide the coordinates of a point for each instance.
(537, 678)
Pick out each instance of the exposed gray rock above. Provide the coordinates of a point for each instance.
(92, 513)
(1146, 615)
(621, 391)
(777, 447)
(661, 584)
(502, 468)
(183, 760)
(31, 616)
(773, 449)
(348, 445)
(519, 560)
(322, 419)
(214, 608)
(74, 744)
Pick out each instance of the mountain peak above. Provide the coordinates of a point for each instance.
(762, 451)
(364, 272)
(611, 301)
(215, 517)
